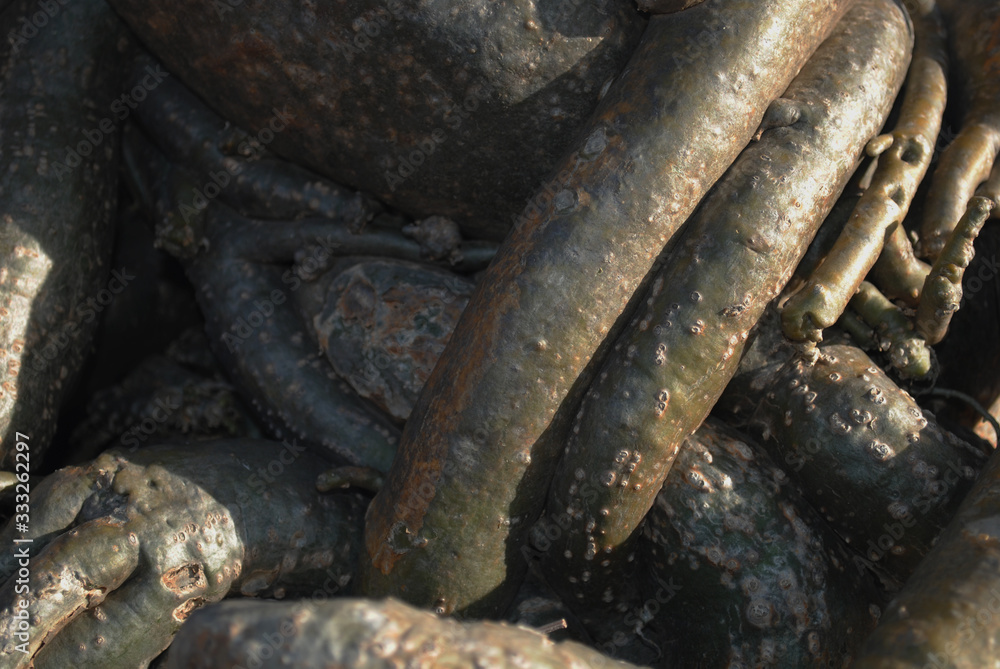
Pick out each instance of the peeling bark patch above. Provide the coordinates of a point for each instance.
(184, 579)
(182, 612)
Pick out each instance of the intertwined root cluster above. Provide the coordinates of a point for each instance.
(878, 238)
(565, 430)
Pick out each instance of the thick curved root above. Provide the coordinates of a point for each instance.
(946, 615)
(974, 28)
(129, 546)
(903, 158)
(942, 291)
(893, 333)
(361, 632)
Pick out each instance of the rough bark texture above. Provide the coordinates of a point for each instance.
(736, 254)
(58, 188)
(974, 39)
(129, 545)
(437, 108)
(179, 393)
(667, 129)
(249, 303)
(756, 577)
(365, 633)
(878, 468)
(948, 614)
